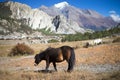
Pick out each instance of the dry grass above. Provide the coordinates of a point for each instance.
(101, 54)
(76, 75)
(5, 50)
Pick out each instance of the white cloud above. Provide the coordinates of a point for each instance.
(114, 16)
(61, 5)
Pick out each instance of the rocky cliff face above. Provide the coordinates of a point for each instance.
(34, 17)
(66, 26)
(61, 18)
(83, 17)
(37, 19)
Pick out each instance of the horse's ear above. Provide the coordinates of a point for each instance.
(35, 56)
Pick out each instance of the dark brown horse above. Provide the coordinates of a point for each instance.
(53, 55)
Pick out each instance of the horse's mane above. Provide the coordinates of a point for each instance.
(42, 53)
(48, 48)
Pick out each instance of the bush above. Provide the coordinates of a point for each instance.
(53, 41)
(21, 49)
(116, 40)
(94, 35)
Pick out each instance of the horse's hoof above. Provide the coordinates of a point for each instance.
(35, 64)
(69, 71)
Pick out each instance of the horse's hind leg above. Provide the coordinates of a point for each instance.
(70, 67)
(54, 64)
(71, 63)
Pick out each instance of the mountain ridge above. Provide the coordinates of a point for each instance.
(70, 19)
(84, 17)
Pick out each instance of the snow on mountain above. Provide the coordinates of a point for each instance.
(61, 18)
(38, 19)
(89, 19)
(61, 5)
(115, 16)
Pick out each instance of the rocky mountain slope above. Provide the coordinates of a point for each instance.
(28, 16)
(35, 19)
(61, 18)
(83, 17)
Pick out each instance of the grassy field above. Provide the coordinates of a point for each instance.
(22, 67)
(5, 50)
(76, 75)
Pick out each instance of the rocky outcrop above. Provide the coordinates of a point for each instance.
(66, 26)
(37, 19)
(34, 17)
(86, 18)
(56, 21)
(61, 18)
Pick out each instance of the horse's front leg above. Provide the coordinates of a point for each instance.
(47, 65)
(54, 64)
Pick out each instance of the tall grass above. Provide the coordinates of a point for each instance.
(5, 50)
(76, 75)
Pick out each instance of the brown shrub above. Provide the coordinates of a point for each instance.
(86, 45)
(21, 49)
(116, 40)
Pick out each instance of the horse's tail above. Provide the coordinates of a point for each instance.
(71, 60)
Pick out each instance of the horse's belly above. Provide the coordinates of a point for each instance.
(59, 58)
(59, 61)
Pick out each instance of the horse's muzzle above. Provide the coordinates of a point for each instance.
(35, 64)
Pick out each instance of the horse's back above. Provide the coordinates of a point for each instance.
(66, 48)
(54, 54)
(66, 51)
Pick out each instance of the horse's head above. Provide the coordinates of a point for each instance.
(37, 59)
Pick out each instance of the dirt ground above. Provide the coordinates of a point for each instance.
(100, 62)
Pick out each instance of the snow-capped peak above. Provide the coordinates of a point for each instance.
(115, 16)
(61, 5)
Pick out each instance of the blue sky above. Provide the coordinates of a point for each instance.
(101, 6)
